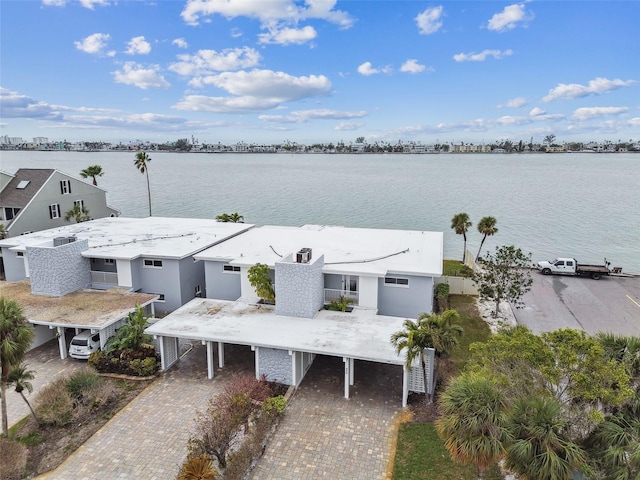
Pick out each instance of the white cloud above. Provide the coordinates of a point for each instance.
(412, 66)
(634, 122)
(92, 3)
(288, 36)
(511, 120)
(302, 116)
(54, 3)
(482, 56)
(137, 75)
(180, 43)
(367, 69)
(93, 44)
(267, 11)
(138, 46)
(14, 105)
(209, 61)
(429, 21)
(347, 126)
(597, 86)
(515, 103)
(536, 111)
(587, 113)
(509, 18)
(255, 90)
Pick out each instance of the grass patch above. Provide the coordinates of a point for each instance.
(451, 267)
(475, 329)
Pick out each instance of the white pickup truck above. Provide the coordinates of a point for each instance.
(570, 266)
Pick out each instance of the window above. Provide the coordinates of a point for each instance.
(19, 254)
(109, 261)
(198, 291)
(230, 269)
(23, 184)
(10, 213)
(151, 263)
(396, 282)
(54, 210)
(78, 203)
(570, 263)
(65, 187)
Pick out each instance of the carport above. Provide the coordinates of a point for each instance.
(284, 346)
(96, 310)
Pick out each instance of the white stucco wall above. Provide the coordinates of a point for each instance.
(368, 294)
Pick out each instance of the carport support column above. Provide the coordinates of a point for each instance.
(348, 364)
(210, 372)
(257, 357)
(405, 385)
(352, 370)
(62, 342)
(221, 354)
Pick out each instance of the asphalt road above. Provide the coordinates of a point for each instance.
(610, 304)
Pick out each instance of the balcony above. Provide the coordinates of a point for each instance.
(103, 280)
(333, 295)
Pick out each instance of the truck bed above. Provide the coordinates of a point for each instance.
(592, 268)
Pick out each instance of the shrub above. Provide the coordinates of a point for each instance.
(259, 276)
(143, 367)
(442, 296)
(13, 461)
(340, 305)
(274, 406)
(54, 404)
(197, 467)
(81, 382)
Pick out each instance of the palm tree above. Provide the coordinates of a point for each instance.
(15, 339)
(471, 422)
(230, 217)
(615, 446)
(92, 172)
(539, 447)
(428, 331)
(77, 213)
(461, 224)
(141, 163)
(20, 378)
(487, 227)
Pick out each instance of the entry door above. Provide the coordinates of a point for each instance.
(350, 286)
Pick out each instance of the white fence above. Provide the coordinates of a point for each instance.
(459, 285)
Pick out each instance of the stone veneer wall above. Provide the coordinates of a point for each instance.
(56, 271)
(275, 364)
(299, 287)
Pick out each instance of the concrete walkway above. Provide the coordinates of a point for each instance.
(322, 435)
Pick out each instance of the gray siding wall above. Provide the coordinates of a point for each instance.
(165, 281)
(275, 364)
(221, 285)
(406, 302)
(299, 288)
(35, 216)
(56, 271)
(333, 281)
(191, 275)
(14, 270)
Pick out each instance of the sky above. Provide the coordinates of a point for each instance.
(320, 71)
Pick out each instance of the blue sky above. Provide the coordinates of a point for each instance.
(267, 71)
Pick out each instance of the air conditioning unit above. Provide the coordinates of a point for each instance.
(57, 241)
(304, 255)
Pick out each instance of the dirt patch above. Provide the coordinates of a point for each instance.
(49, 446)
(420, 411)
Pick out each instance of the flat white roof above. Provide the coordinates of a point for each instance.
(130, 238)
(360, 334)
(358, 251)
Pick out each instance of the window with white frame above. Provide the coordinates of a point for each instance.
(78, 203)
(109, 261)
(230, 269)
(65, 187)
(19, 254)
(54, 210)
(396, 282)
(152, 263)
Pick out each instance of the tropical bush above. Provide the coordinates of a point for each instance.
(197, 467)
(442, 297)
(259, 276)
(54, 404)
(13, 461)
(340, 305)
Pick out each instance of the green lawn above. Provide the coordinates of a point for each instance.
(420, 454)
(451, 267)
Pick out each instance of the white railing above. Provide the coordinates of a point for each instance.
(104, 278)
(333, 295)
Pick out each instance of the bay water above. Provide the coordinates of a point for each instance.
(580, 205)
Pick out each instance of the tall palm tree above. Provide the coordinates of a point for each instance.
(92, 172)
(539, 447)
(471, 422)
(20, 378)
(428, 331)
(141, 162)
(487, 227)
(461, 225)
(16, 335)
(77, 213)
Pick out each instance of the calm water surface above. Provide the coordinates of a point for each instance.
(580, 205)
